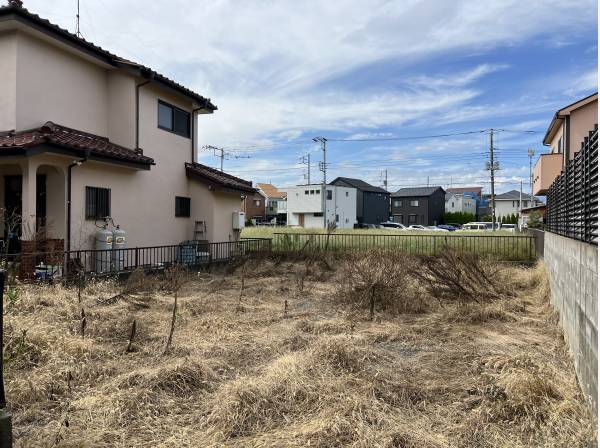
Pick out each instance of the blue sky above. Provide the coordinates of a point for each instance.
(284, 72)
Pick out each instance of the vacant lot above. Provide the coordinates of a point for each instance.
(268, 231)
(281, 353)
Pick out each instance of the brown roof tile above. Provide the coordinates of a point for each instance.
(16, 11)
(51, 133)
(271, 191)
(217, 177)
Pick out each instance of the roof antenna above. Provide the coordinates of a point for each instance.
(78, 33)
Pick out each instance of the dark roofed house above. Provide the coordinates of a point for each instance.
(419, 205)
(372, 203)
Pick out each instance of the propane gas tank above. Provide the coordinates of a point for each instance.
(103, 246)
(119, 244)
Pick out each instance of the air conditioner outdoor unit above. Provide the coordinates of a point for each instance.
(238, 220)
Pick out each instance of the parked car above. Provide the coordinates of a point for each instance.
(437, 229)
(417, 227)
(366, 226)
(454, 224)
(388, 225)
(448, 227)
(509, 227)
(473, 226)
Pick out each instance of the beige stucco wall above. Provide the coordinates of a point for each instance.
(582, 122)
(52, 84)
(546, 169)
(8, 80)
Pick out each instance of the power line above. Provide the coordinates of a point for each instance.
(389, 139)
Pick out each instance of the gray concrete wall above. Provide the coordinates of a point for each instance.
(573, 270)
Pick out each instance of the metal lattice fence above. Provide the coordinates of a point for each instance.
(572, 199)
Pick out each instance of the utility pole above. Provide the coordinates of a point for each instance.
(520, 206)
(492, 166)
(305, 160)
(323, 168)
(427, 180)
(530, 153)
(385, 182)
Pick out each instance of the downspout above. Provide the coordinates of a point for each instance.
(69, 168)
(137, 112)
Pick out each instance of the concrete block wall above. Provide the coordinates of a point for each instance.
(573, 270)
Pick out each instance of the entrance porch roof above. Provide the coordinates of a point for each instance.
(54, 138)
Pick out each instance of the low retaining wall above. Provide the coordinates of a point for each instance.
(573, 270)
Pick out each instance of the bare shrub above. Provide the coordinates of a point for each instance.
(176, 276)
(459, 276)
(379, 279)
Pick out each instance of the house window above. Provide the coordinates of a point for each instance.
(312, 191)
(318, 215)
(182, 207)
(97, 202)
(337, 218)
(414, 203)
(173, 119)
(412, 219)
(318, 191)
(397, 203)
(329, 194)
(257, 202)
(305, 191)
(346, 194)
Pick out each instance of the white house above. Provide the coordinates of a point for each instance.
(305, 204)
(508, 203)
(460, 203)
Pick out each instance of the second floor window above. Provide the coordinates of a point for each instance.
(171, 118)
(257, 202)
(397, 203)
(414, 203)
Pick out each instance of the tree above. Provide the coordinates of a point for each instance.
(458, 217)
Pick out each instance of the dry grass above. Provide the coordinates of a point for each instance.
(320, 373)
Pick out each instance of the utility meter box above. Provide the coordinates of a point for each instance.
(239, 220)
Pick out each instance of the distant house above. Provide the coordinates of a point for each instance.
(306, 206)
(461, 203)
(372, 203)
(254, 206)
(508, 203)
(420, 205)
(276, 207)
(476, 193)
(566, 132)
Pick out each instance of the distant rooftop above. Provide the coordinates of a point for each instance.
(358, 184)
(416, 191)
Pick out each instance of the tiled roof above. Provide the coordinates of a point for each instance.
(16, 12)
(79, 141)
(416, 191)
(358, 184)
(465, 190)
(214, 176)
(271, 191)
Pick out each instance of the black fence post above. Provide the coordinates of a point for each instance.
(5, 417)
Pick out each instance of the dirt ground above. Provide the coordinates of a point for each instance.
(264, 357)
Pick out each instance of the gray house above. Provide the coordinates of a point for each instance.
(420, 205)
(372, 203)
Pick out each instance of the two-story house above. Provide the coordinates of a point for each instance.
(481, 202)
(461, 203)
(254, 206)
(418, 205)
(276, 202)
(511, 202)
(86, 134)
(372, 203)
(566, 132)
(317, 205)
